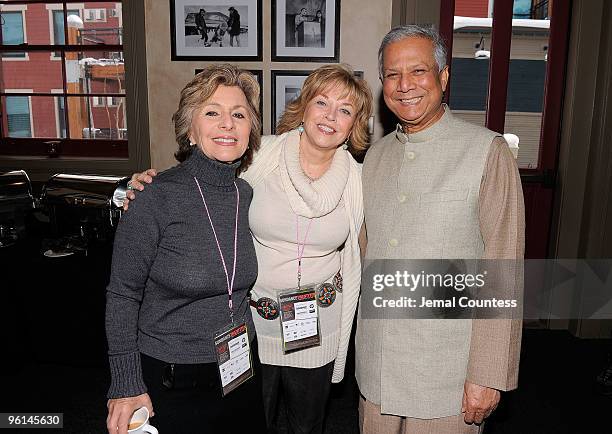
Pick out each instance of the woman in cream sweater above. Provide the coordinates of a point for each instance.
(305, 218)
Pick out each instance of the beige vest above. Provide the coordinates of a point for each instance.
(421, 202)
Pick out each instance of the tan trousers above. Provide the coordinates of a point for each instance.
(371, 421)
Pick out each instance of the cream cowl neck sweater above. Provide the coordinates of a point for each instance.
(285, 200)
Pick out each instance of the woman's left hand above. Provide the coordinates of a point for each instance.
(120, 411)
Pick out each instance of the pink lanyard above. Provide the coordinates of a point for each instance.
(230, 285)
(300, 246)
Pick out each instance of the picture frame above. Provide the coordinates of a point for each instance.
(301, 33)
(285, 86)
(226, 30)
(258, 74)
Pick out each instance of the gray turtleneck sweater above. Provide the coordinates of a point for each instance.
(167, 294)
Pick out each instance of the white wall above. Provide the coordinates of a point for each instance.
(363, 24)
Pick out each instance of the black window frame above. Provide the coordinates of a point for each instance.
(58, 146)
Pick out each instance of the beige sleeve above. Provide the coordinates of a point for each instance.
(496, 343)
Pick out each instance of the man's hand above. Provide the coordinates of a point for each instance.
(120, 412)
(478, 402)
(137, 183)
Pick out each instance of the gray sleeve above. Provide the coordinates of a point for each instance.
(134, 251)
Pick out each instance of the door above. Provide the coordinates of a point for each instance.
(507, 61)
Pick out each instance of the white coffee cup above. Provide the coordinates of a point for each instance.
(141, 417)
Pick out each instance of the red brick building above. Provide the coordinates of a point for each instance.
(529, 9)
(472, 8)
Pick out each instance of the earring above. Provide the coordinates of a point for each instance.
(191, 143)
(345, 144)
(300, 128)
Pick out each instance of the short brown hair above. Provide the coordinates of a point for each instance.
(318, 81)
(200, 89)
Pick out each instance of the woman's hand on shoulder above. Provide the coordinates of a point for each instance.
(137, 183)
(120, 411)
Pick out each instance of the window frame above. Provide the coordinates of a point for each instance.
(41, 166)
(87, 12)
(14, 8)
(21, 93)
(52, 8)
(538, 183)
(72, 147)
(103, 101)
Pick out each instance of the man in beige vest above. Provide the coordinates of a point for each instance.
(435, 188)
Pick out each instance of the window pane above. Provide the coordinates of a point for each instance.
(12, 33)
(12, 28)
(58, 27)
(95, 72)
(18, 116)
(102, 25)
(61, 114)
(532, 9)
(102, 118)
(521, 9)
(469, 91)
(37, 92)
(59, 36)
(35, 116)
(526, 79)
(470, 61)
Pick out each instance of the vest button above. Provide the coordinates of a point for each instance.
(402, 198)
(393, 242)
(410, 155)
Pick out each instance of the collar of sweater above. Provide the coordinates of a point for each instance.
(312, 198)
(209, 171)
(439, 128)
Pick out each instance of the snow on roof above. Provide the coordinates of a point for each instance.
(465, 22)
(99, 62)
(75, 21)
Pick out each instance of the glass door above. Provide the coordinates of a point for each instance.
(507, 62)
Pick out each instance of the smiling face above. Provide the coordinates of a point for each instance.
(412, 85)
(221, 127)
(328, 119)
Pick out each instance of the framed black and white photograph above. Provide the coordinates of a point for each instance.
(217, 29)
(286, 86)
(305, 30)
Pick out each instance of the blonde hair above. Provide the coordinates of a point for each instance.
(354, 88)
(200, 89)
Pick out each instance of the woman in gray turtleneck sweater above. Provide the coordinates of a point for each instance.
(176, 255)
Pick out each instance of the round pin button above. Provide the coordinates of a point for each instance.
(410, 155)
(326, 295)
(267, 308)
